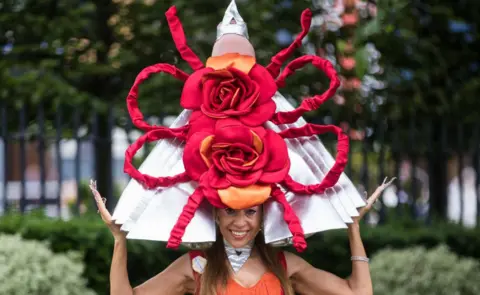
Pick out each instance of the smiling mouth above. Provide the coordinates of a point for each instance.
(239, 234)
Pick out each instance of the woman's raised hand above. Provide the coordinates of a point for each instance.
(374, 197)
(106, 216)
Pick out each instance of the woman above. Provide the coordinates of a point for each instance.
(262, 273)
(236, 162)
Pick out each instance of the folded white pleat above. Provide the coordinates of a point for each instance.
(159, 162)
(151, 214)
(310, 163)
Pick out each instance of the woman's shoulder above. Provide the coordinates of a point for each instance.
(177, 278)
(182, 265)
(294, 263)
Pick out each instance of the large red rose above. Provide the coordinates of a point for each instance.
(231, 93)
(239, 162)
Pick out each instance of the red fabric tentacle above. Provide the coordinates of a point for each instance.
(178, 36)
(311, 103)
(132, 98)
(184, 219)
(153, 135)
(291, 219)
(281, 57)
(340, 161)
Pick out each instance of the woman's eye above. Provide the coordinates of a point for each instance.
(229, 211)
(251, 212)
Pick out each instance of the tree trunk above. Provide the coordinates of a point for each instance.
(103, 159)
(103, 144)
(438, 161)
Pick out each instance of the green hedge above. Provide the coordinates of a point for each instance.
(328, 251)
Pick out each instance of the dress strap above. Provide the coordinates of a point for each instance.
(193, 254)
(282, 259)
(283, 262)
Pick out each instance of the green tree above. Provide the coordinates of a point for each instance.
(86, 54)
(432, 71)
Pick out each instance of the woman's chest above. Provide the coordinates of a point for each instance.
(250, 274)
(266, 284)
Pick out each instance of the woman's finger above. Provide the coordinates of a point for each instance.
(376, 194)
(102, 209)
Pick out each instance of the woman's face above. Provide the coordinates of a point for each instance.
(239, 227)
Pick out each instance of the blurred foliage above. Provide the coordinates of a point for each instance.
(89, 52)
(30, 267)
(418, 271)
(145, 259)
(428, 50)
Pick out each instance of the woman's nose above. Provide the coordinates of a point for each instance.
(240, 219)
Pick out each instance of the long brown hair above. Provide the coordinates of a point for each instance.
(216, 273)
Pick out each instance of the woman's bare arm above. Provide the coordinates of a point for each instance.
(175, 279)
(119, 282)
(307, 279)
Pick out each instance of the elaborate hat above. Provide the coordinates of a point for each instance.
(237, 144)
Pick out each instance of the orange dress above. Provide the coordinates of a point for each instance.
(268, 284)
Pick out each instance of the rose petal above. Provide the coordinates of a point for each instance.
(191, 97)
(219, 75)
(257, 142)
(278, 163)
(239, 164)
(213, 114)
(210, 193)
(275, 176)
(232, 169)
(244, 83)
(244, 165)
(249, 100)
(267, 84)
(261, 114)
(216, 159)
(247, 158)
(199, 122)
(260, 131)
(232, 131)
(278, 151)
(193, 161)
(244, 180)
(262, 160)
(206, 149)
(212, 105)
(217, 179)
(237, 113)
(214, 97)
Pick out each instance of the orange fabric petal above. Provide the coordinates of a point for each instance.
(257, 142)
(245, 197)
(223, 75)
(205, 149)
(243, 63)
(234, 98)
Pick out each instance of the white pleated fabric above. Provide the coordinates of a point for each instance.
(151, 214)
